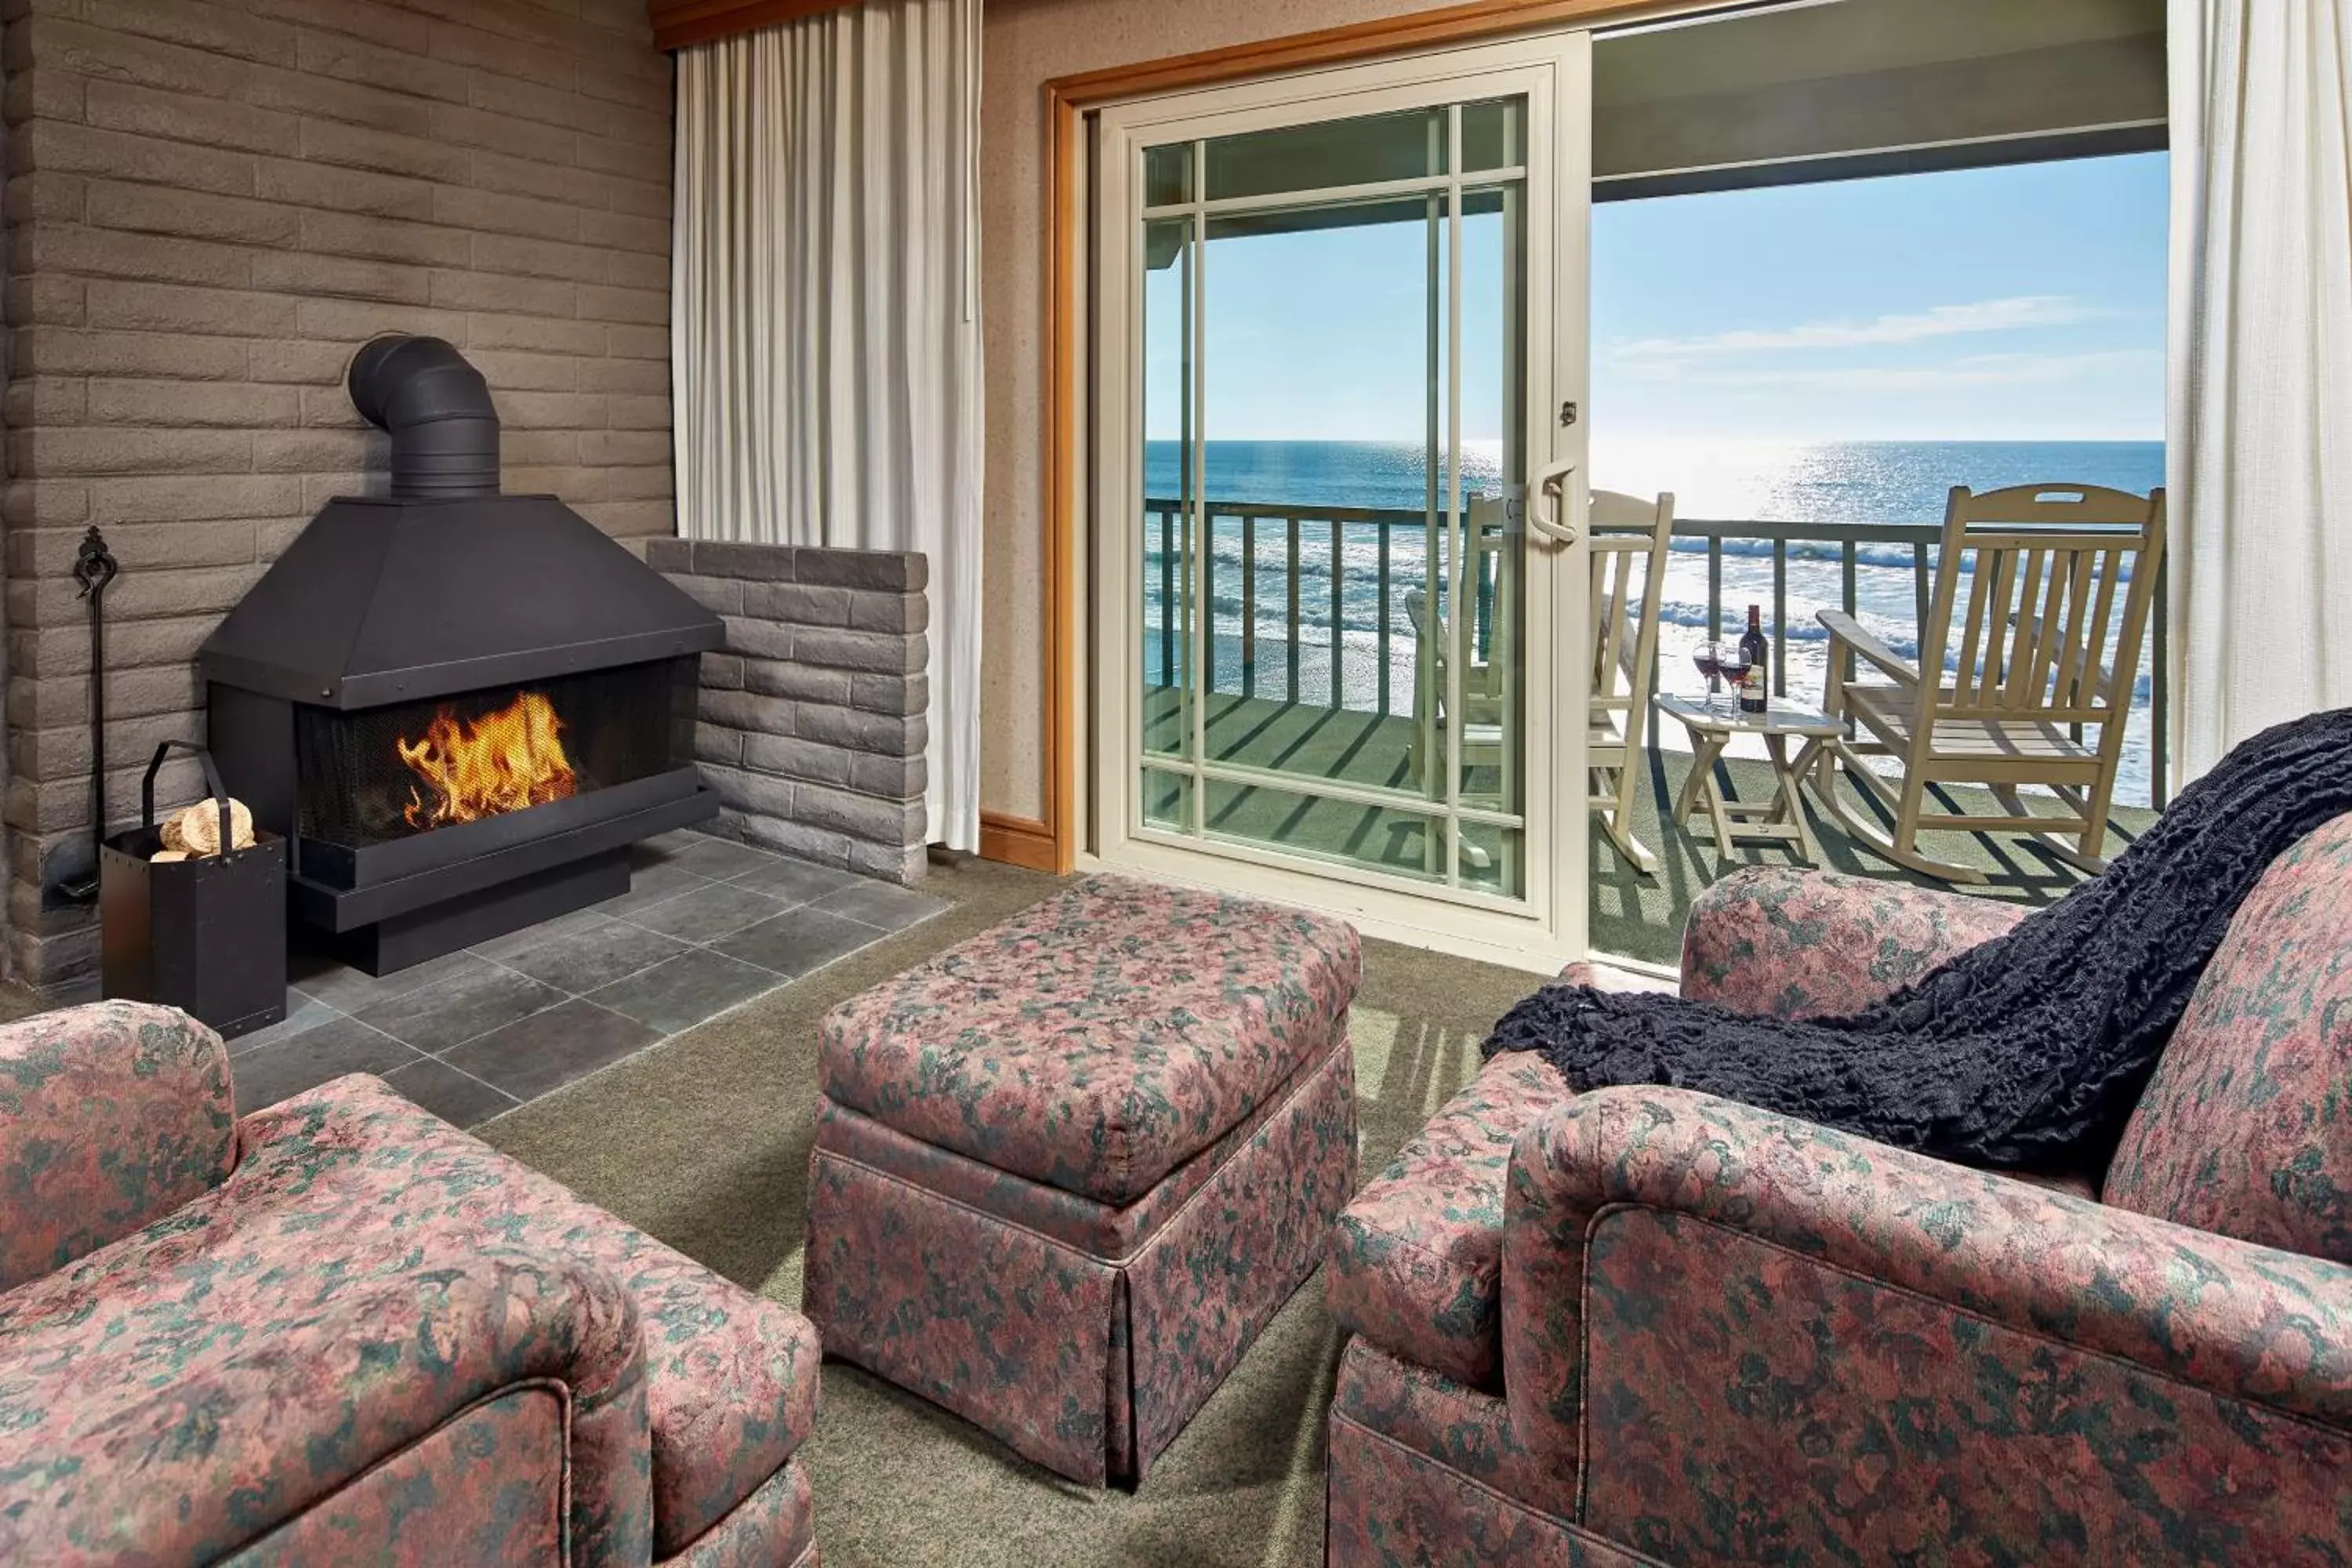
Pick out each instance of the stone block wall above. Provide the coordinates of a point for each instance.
(210, 203)
(813, 716)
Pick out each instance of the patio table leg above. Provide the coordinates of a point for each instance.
(1790, 802)
(1700, 788)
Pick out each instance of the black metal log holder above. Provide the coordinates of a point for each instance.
(94, 567)
(206, 934)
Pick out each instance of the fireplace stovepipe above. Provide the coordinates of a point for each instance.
(437, 409)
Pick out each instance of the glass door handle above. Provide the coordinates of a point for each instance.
(1544, 517)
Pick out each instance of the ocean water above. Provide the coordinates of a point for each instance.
(1339, 655)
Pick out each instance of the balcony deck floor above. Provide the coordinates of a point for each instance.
(1632, 916)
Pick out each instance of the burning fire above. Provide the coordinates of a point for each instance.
(501, 762)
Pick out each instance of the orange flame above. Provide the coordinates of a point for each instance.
(502, 761)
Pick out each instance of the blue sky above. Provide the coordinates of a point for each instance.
(2021, 304)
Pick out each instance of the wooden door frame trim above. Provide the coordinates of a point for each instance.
(1050, 842)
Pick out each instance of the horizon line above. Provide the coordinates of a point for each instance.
(2107, 440)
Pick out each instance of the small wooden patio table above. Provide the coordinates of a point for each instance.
(1781, 820)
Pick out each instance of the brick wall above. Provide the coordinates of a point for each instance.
(812, 729)
(209, 206)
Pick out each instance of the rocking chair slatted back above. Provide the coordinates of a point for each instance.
(1627, 538)
(2054, 608)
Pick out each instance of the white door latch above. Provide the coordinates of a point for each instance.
(1547, 516)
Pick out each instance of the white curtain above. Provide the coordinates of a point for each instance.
(825, 316)
(2259, 438)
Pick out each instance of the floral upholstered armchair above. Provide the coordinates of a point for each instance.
(341, 1330)
(1648, 1326)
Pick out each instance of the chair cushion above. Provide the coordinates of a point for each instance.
(1415, 1260)
(2246, 1126)
(352, 1167)
(1099, 1039)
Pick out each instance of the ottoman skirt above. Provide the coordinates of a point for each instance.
(1083, 1335)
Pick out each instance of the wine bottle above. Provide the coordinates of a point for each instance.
(1752, 689)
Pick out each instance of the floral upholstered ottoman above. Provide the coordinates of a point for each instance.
(1065, 1171)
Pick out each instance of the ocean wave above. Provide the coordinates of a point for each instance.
(1879, 567)
(1896, 556)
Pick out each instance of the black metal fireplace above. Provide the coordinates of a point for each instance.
(460, 707)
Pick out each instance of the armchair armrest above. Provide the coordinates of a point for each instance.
(1791, 943)
(2239, 1321)
(1845, 628)
(111, 1116)
(165, 1435)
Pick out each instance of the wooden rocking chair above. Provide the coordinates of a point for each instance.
(1489, 687)
(1624, 531)
(2037, 656)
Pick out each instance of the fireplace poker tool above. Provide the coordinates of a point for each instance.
(94, 567)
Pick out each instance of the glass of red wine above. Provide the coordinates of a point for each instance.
(1708, 659)
(1733, 661)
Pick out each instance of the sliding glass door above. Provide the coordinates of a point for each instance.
(1340, 353)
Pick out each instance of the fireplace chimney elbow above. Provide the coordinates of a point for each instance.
(437, 409)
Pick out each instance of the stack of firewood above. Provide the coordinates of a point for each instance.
(195, 832)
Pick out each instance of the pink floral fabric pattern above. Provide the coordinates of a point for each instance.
(775, 1525)
(1099, 1039)
(1782, 1409)
(353, 1215)
(920, 1291)
(1209, 1280)
(173, 1401)
(1416, 1259)
(1095, 1227)
(1086, 1363)
(1795, 943)
(1465, 1429)
(2246, 1126)
(2197, 1316)
(1390, 1507)
(111, 1116)
(486, 1490)
(732, 1379)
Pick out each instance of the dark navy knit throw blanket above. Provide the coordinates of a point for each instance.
(2027, 1052)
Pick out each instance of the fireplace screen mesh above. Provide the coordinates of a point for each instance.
(385, 774)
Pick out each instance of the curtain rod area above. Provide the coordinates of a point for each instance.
(677, 23)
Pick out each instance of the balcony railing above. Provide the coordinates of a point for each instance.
(1336, 567)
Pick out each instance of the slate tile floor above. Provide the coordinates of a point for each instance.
(706, 924)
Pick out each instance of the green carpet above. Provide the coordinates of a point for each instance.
(704, 1141)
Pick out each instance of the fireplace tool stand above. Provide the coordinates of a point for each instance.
(94, 567)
